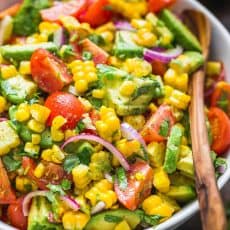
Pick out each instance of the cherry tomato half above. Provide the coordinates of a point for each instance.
(157, 5)
(48, 71)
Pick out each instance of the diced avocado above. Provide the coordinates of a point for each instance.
(84, 152)
(156, 153)
(183, 193)
(185, 165)
(125, 47)
(169, 201)
(147, 88)
(182, 34)
(8, 138)
(12, 110)
(20, 53)
(188, 62)
(38, 215)
(25, 133)
(178, 179)
(46, 139)
(173, 149)
(18, 89)
(105, 219)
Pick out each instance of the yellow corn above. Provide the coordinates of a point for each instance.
(152, 107)
(109, 26)
(69, 133)
(24, 184)
(108, 36)
(37, 38)
(24, 68)
(136, 121)
(39, 170)
(98, 93)
(141, 23)
(85, 207)
(81, 176)
(47, 154)
(39, 112)
(57, 155)
(145, 38)
(31, 148)
(57, 134)
(23, 112)
(36, 138)
(154, 205)
(123, 225)
(3, 104)
(48, 27)
(139, 176)
(137, 67)
(35, 126)
(102, 191)
(156, 153)
(161, 180)
(69, 22)
(87, 105)
(58, 122)
(127, 88)
(127, 148)
(75, 220)
(114, 61)
(8, 71)
(179, 81)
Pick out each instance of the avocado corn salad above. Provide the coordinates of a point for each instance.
(94, 123)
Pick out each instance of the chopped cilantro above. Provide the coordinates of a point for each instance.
(164, 128)
(112, 218)
(121, 178)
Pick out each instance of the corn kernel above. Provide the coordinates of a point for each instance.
(48, 27)
(152, 107)
(39, 170)
(127, 88)
(23, 112)
(161, 180)
(69, 22)
(35, 126)
(136, 121)
(40, 113)
(57, 155)
(24, 68)
(3, 104)
(31, 148)
(108, 36)
(36, 138)
(57, 135)
(47, 154)
(98, 93)
(24, 184)
(58, 122)
(81, 86)
(145, 38)
(8, 71)
(114, 61)
(81, 176)
(123, 225)
(69, 133)
(91, 77)
(87, 105)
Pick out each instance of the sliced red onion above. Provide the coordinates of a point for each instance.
(165, 57)
(59, 37)
(123, 25)
(221, 169)
(3, 119)
(108, 177)
(98, 207)
(103, 142)
(27, 199)
(130, 133)
(70, 202)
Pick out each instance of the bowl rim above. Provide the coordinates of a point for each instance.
(191, 208)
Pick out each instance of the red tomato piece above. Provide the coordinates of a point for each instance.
(71, 8)
(15, 215)
(220, 128)
(159, 68)
(96, 14)
(48, 71)
(157, 5)
(66, 105)
(150, 131)
(7, 195)
(99, 55)
(221, 97)
(137, 190)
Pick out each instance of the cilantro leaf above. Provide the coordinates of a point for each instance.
(57, 189)
(65, 184)
(148, 219)
(121, 178)
(86, 56)
(112, 218)
(70, 162)
(10, 163)
(80, 127)
(164, 128)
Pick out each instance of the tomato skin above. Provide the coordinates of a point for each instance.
(159, 68)
(220, 127)
(7, 194)
(137, 190)
(96, 14)
(15, 215)
(151, 128)
(99, 55)
(71, 8)
(157, 5)
(66, 105)
(222, 89)
(48, 71)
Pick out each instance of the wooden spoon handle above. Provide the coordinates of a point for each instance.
(211, 206)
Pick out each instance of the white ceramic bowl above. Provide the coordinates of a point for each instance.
(220, 50)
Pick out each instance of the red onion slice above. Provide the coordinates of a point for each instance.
(123, 25)
(98, 207)
(27, 199)
(59, 37)
(130, 133)
(165, 57)
(103, 142)
(3, 119)
(70, 202)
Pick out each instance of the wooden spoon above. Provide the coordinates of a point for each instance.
(211, 206)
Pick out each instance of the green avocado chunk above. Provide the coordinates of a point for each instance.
(109, 219)
(183, 193)
(16, 53)
(182, 34)
(173, 149)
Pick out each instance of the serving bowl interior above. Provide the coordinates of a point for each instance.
(220, 50)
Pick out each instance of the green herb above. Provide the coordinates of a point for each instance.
(56, 189)
(148, 219)
(86, 56)
(66, 51)
(164, 128)
(223, 102)
(97, 39)
(84, 152)
(96, 103)
(28, 187)
(121, 178)
(10, 163)
(70, 162)
(65, 184)
(113, 219)
(80, 127)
